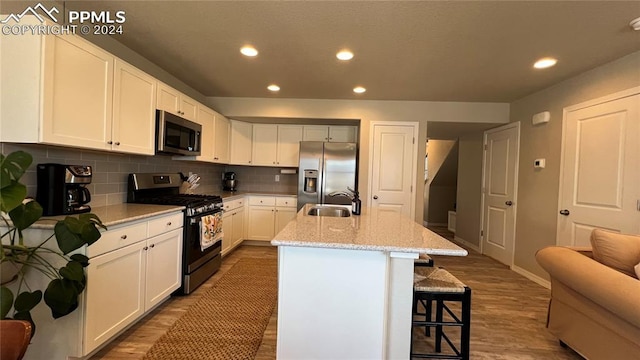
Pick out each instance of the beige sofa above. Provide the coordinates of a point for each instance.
(594, 308)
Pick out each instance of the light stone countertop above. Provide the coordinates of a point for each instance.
(115, 214)
(228, 195)
(373, 230)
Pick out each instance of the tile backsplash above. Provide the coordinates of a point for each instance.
(110, 171)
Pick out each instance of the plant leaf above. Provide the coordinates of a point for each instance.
(67, 240)
(24, 215)
(93, 218)
(26, 301)
(12, 196)
(26, 315)
(13, 167)
(90, 233)
(62, 297)
(72, 271)
(6, 301)
(83, 260)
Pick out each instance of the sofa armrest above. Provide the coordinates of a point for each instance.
(611, 289)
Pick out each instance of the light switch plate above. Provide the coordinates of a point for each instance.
(538, 163)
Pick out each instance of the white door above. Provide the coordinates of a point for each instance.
(207, 118)
(393, 170)
(241, 142)
(600, 183)
(221, 142)
(499, 192)
(261, 223)
(164, 266)
(289, 137)
(265, 144)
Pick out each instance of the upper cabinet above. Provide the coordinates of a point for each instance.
(241, 142)
(276, 145)
(173, 101)
(134, 109)
(66, 91)
(333, 133)
(221, 139)
(206, 118)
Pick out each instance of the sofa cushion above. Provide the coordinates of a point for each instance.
(618, 251)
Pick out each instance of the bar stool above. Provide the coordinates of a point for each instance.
(437, 284)
(423, 260)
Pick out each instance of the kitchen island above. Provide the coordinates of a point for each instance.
(345, 284)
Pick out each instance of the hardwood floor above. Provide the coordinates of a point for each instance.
(508, 312)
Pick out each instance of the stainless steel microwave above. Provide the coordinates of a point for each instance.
(176, 135)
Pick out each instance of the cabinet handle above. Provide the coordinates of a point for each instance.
(123, 237)
(274, 162)
(153, 245)
(330, 138)
(109, 142)
(249, 161)
(117, 142)
(145, 248)
(169, 223)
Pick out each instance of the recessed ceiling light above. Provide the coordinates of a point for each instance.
(344, 55)
(273, 87)
(359, 89)
(545, 63)
(248, 51)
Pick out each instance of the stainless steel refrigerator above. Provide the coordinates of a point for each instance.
(326, 167)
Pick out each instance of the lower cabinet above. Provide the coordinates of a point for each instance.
(126, 282)
(268, 215)
(232, 225)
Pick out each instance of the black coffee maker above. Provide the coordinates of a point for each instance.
(230, 183)
(61, 189)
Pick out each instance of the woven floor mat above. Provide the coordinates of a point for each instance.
(229, 320)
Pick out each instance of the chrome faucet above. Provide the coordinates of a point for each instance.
(350, 193)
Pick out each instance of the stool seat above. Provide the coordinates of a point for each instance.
(434, 279)
(423, 260)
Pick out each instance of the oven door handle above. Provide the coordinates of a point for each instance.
(194, 219)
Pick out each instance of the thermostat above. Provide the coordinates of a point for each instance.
(541, 118)
(538, 164)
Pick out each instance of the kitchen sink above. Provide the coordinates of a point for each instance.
(332, 211)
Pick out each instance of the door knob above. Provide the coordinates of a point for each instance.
(508, 203)
(375, 197)
(564, 212)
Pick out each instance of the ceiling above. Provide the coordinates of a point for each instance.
(476, 51)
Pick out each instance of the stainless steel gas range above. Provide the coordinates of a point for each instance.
(198, 264)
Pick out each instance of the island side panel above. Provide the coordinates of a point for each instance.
(331, 303)
(399, 307)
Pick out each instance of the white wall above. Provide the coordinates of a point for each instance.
(367, 111)
(469, 189)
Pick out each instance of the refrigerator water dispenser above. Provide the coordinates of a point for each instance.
(310, 181)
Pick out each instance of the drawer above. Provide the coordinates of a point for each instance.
(166, 223)
(262, 200)
(286, 201)
(117, 238)
(233, 204)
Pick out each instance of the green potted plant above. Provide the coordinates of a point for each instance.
(19, 257)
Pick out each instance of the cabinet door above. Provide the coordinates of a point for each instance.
(342, 134)
(289, 137)
(78, 87)
(206, 118)
(221, 142)
(168, 99)
(164, 266)
(114, 293)
(188, 108)
(261, 223)
(241, 132)
(227, 229)
(238, 226)
(283, 216)
(134, 110)
(265, 139)
(315, 133)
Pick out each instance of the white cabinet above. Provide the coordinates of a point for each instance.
(134, 110)
(276, 145)
(333, 133)
(241, 142)
(268, 215)
(233, 224)
(175, 102)
(63, 90)
(289, 137)
(221, 139)
(136, 268)
(207, 119)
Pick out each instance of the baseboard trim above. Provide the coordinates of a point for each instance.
(435, 224)
(531, 276)
(462, 241)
